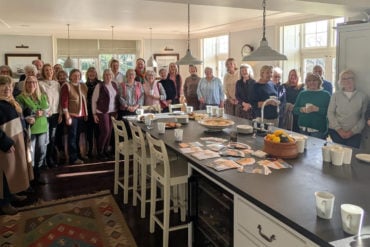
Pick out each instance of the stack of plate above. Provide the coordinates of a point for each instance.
(244, 129)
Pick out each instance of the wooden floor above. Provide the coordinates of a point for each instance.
(74, 180)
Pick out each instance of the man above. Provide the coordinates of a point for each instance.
(210, 90)
(327, 85)
(140, 70)
(118, 77)
(38, 64)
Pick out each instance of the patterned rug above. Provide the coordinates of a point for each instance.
(89, 220)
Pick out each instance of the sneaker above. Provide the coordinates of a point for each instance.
(8, 209)
(77, 162)
(18, 198)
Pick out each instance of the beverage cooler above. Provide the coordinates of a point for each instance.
(211, 211)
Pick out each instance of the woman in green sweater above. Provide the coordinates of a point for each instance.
(34, 101)
(312, 106)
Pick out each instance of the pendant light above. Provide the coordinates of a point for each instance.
(188, 58)
(68, 64)
(151, 61)
(264, 52)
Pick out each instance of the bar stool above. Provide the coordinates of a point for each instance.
(172, 107)
(168, 174)
(141, 161)
(123, 146)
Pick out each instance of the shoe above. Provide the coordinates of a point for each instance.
(102, 157)
(77, 162)
(18, 198)
(8, 209)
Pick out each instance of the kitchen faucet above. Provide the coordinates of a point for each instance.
(274, 99)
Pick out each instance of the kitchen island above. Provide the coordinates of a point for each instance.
(285, 197)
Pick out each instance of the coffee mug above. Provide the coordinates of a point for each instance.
(336, 156)
(324, 204)
(352, 217)
(139, 111)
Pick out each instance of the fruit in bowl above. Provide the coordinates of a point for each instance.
(279, 144)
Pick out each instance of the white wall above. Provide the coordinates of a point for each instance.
(37, 44)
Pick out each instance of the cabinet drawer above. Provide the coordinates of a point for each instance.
(263, 227)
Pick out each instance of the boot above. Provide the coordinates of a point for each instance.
(8, 209)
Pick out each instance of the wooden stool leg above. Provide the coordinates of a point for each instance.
(182, 199)
(166, 214)
(153, 195)
(126, 177)
(116, 172)
(175, 198)
(143, 187)
(135, 181)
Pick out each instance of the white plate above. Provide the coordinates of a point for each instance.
(363, 157)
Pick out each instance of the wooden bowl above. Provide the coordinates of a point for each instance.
(281, 150)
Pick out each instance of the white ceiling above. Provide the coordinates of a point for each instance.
(168, 18)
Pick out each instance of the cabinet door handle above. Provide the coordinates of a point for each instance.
(268, 239)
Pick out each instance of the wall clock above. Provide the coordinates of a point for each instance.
(246, 50)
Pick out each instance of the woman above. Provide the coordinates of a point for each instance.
(105, 100)
(57, 67)
(140, 70)
(230, 79)
(131, 95)
(173, 75)
(74, 107)
(118, 77)
(6, 70)
(244, 91)
(153, 90)
(52, 89)
(346, 112)
(292, 88)
(262, 90)
(62, 77)
(209, 90)
(276, 79)
(190, 88)
(14, 176)
(34, 100)
(311, 107)
(29, 70)
(92, 129)
(169, 87)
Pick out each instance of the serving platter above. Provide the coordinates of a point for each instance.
(363, 157)
(216, 124)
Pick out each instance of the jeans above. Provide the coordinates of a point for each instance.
(38, 144)
(353, 141)
(74, 131)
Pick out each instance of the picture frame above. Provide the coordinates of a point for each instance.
(164, 59)
(17, 61)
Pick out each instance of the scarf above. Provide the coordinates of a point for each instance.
(13, 102)
(140, 74)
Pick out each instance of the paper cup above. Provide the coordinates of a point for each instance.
(324, 204)
(336, 155)
(352, 217)
(326, 156)
(209, 109)
(161, 127)
(189, 109)
(178, 135)
(220, 112)
(347, 156)
(214, 111)
(300, 141)
(139, 111)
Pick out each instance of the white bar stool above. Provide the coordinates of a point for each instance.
(168, 174)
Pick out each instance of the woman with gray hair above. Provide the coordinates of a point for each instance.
(311, 106)
(346, 112)
(244, 92)
(104, 102)
(153, 90)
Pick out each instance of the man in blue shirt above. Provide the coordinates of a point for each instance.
(327, 85)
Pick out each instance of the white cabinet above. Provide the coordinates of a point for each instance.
(353, 52)
(254, 227)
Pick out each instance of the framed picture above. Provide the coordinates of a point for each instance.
(164, 59)
(17, 61)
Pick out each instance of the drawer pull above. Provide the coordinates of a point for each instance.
(269, 239)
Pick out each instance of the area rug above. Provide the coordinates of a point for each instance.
(89, 220)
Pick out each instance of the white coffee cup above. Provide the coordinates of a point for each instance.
(352, 217)
(347, 156)
(308, 105)
(161, 127)
(148, 120)
(326, 156)
(139, 111)
(178, 135)
(214, 111)
(189, 109)
(336, 156)
(324, 204)
(151, 92)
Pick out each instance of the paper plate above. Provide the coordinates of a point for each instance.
(363, 157)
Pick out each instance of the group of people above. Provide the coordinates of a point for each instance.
(47, 103)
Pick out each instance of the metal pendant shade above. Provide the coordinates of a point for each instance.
(188, 58)
(151, 61)
(264, 52)
(68, 64)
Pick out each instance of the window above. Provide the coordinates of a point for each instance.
(316, 34)
(126, 61)
(215, 53)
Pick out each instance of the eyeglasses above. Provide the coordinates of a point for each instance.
(347, 78)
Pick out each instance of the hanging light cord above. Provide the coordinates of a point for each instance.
(112, 40)
(188, 26)
(150, 41)
(264, 20)
(68, 39)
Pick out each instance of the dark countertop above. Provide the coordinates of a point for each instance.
(288, 194)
